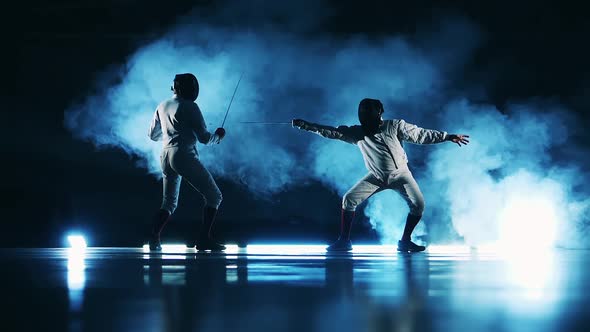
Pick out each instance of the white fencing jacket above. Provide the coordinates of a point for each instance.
(179, 123)
(383, 152)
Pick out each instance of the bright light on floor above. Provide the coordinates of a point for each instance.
(76, 278)
(358, 249)
(532, 209)
(374, 249)
(285, 249)
(532, 274)
(77, 241)
(169, 248)
(182, 248)
(76, 266)
(309, 249)
(528, 223)
(449, 249)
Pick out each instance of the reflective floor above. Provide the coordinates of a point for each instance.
(294, 288)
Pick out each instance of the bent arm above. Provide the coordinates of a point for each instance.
(200, 128)
(341, 133)
(414, 134)
(155, 132)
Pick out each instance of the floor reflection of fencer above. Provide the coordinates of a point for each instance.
(339, 274)
(413, 314)
(242, 270)
(187, 302)
(205, 291)
(396, 293)
(339, 299)
(127, 290)
(154, 272)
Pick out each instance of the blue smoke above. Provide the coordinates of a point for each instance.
(507, 184)
(284, 78)
(322, 80)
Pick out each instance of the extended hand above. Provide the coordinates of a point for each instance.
(458, 139)
(220, 132)
(298, 123)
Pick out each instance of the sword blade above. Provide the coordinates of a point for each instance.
(265, 123)
(232, 99)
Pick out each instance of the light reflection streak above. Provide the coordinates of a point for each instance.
(76, 277)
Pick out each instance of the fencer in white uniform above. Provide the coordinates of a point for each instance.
(381, 144)
(179, 123)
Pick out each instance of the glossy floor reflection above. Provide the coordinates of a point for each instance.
(294, 288)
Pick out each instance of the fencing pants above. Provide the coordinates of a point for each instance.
(403, 183)
(182, 162)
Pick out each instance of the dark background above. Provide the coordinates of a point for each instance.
(54, 183)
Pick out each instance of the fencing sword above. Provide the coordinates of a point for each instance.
(232, 99)
(265, 123)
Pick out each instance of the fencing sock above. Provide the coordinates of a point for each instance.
(209, 214)
(160, 220)
(411, 222)
(346, 224)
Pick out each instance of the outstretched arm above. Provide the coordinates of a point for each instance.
(342, 132)
(155, 132)
(414, 134)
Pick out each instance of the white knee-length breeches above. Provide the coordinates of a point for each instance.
(182, 162)
(403, 183)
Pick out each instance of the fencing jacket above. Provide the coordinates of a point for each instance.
(383, 152)
(179, 123)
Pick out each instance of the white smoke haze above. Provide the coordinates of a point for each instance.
(505, 186)
(502, 178)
